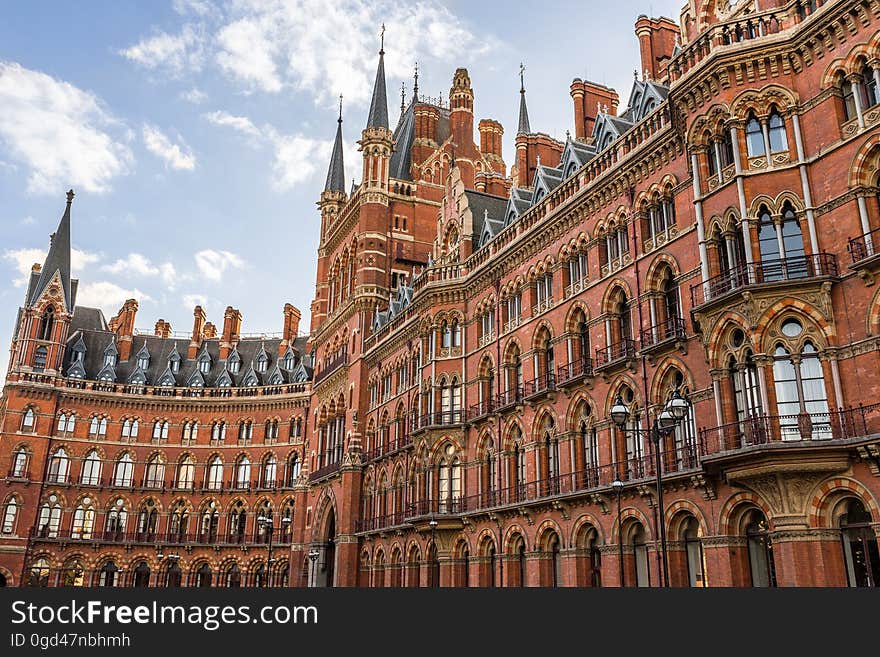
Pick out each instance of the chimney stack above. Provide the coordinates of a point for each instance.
(292, 315)
(198, 332)
(163, 329)
(587, 97)
(657, 39)
(231, 331)
(210, 331)
(123, 326)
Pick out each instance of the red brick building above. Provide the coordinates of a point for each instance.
(448, 419)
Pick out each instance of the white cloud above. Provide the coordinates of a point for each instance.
(190, 301)
(194, 96)
(28, 221)
(319, 47)
(240, 123)
(168, 274)
(136, 264)
(24, 259)
(295, 159)
(212, 264)
(174, 53)
(177, 156)
(107, 296)
(59, 132)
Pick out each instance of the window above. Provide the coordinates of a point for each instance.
(693, 549)
(148, 519)
(66, 423)
(29, 421)
(449, 481)
(98, 427)
(47, 322)
(109, 574)
(746, 388)
(869, 87)
(142, 575)
(190, 432)
(39, 575)
(130, 428)
(40, 355)
(91, 469)
(122, 473)
(640, 556)
(179, 520)
(849, 100)
(293, 469)
(778, 140)
(245, 431)
(186, 470)
(10, 511)
(58, 466)
(117, 517)
(218, 432)
(262, 363)
(215, 474)
(210, 521)
(800, 389)
(270, 471)
(174, 362)
(83, 520)
(50, 518)
(19, 462)
(860, 552)
(243, 473)
(204, 363)
(271, 431)
(725, 149)
(160, 430)
(761, 562)
(143, 360)
(754, 137)
(154, 474)
(234, 363)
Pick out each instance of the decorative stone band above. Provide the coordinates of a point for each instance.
(805, 535)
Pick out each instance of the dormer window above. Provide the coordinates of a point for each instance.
(250, 380)
(143, 358)
(110, 359)
(204, 363)
(262, 363)
(78, 356)
(174, 365)
(287, 362)
(234, 363)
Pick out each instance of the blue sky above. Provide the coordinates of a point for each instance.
(196, 134)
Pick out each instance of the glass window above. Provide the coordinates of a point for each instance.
(860, 552)
(778, 140)
(91, 469)
(754, 138)
(849, 100)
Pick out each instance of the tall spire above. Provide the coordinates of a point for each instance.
(523, 128)
(416, 82)
(58, 259)
(378, 117)
(336, 172)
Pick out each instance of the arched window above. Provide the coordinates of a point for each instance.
(761, 562)
(801, 400)
(551, 460)
(776, 128)
(869, 87)
(768, 241)
(10, 513)
(58, 466)
(293, 469)
(245, 431)
(210, 522)
(190, 432)
(243, 473)
(122, 473)
(640, 556)
(50, 518)
(237, 522)
(130, 428)
(178, 522)
(449, 481)
(754, 137)
(215, 474)
(203, 576)
(849, 99)
(29, 421)
(19, 462)
(98, 427)
(589, 445)
(233, 577)
(725, 149)
(91, 469)
(860, 553)
(555, 560)
(154, 474)
(142, 575)
(519, 466)
(47, 322)
(148, 519)
(671, 298)
(173, 576)
(489, 478)
(117, 517)
(270, 471)
(40, 356)
(66, 423)
(72, 574)
(160, 430)
(693, 549)
(39, 574)
(186, 470)
(218, 432)
(83, 520)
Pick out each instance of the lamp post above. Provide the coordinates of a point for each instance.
(674, 412)
(433, 525)
(313, 557)
(268, 526)
(617, 485)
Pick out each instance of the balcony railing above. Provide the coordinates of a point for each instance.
(540, 385)
(165, 538)
(574, 371)
(325, 471)
(481, 409)
(542, 306)
(864, 246)
(441, 419)
(671, 329)
(381, 522)
(508, 398)
(767, 271)
(340, 361)
(844, 424)
(388, 448)
(615, 353)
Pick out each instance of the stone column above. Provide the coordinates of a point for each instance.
(727, 561)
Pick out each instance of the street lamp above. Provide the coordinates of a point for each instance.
(674, 412)
(617, 485)
(268, 526)
(433, 525)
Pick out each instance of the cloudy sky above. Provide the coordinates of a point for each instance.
(196, 134)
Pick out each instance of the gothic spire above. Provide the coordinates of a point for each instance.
(336, 172)
(58, 259)
(523, 128)
(378, 117)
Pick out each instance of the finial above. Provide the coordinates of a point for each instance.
(340, 108)
(635, 74)
(605, 108)
(485, 215)
(402, 97)
(567, 135)
(416, 82)
(70, 196)
(382, 37)
(522, 82)
(539, 160)
(647, 75)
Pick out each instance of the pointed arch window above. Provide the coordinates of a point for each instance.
(210, 522)
(83, 520)
(50, 518)
(860, 552)
(801, 399)
(108, 575)
(154, 474)
(123, 471)
(117, 517)
(130, 428)
(262, 363)
(294, 467)
(237, 523)
(160, 430)
(58, 466)
(40, 356)
(29, 421)
(215, 474)
(19, 462)
(761, 562)
(47, 323)
(218, 432)
(66, 423)
(143, 360)
(98, 427)
(849, 99)
(204, 363)
(190, 432)
(148, 519)
(776, 129)
(10, 513)
(91, 469)
(270, 471)
(754, 137)
(243, 473)
(186, 470)
(449, 481)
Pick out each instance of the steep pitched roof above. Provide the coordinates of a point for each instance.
(58, 261)
(378, 116)
(336, 172)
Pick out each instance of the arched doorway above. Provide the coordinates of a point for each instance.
(324, 568)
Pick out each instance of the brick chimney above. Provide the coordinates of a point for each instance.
(198, 333)
(657, 39)
(123, 326)
(210, 331)
(588, 97)
(163, 329)
(231, 331)
(491, 132)
(292, 315)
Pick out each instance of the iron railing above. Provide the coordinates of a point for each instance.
(615, 353)
(864, 246)
(573, 371)
(673, 328)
